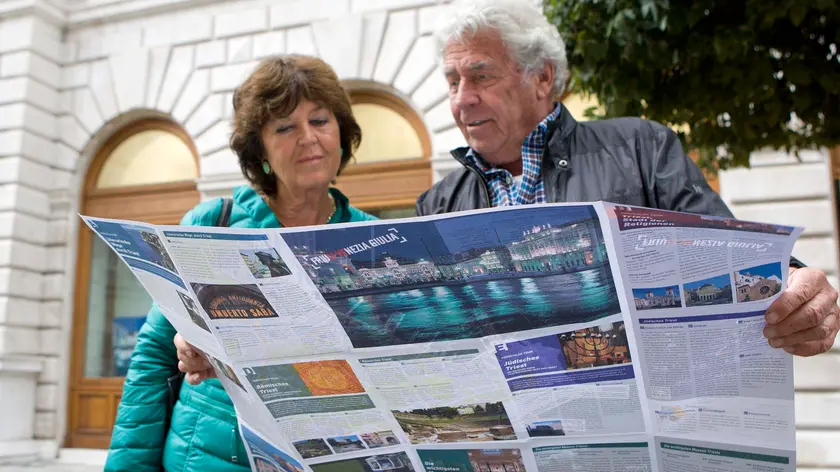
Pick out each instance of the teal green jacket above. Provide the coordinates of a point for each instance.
(203, 435)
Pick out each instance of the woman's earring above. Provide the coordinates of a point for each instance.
(266, 168)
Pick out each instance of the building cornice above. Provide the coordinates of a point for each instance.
(79, 14)
(40, 8)
(89, 12)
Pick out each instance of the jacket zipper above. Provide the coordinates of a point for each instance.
(233, 457)
(484, 190)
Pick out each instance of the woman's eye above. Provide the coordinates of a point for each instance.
(320, 122)
(282, 129)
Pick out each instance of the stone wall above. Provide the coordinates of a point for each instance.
(32, 231)
(780, 188)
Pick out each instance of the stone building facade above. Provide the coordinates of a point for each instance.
(77, 75)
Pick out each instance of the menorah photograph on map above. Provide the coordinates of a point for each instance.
(460, 278)
(595, 346)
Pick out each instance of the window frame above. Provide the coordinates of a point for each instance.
(390, 184)
(93, 401)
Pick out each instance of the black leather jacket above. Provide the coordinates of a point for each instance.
(625, 160)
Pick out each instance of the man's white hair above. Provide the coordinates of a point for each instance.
(531, 40)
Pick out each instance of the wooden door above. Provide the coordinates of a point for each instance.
(141, 174)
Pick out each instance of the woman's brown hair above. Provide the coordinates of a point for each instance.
(274, 89)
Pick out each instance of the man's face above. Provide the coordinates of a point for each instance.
(494, 103)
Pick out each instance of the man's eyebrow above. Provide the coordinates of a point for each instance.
(478, 65)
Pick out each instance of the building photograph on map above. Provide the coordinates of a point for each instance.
(656, 298)
(712, 291)
(233, 302)
(473, 460)
(459, 423)
(458, 278)
(342, 444)
(264, 263)
(396, 462)
(545, 428)
(309, 448)
(380, 439)
(759, 282)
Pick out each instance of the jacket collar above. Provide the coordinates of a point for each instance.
(558, 130)
(562, 127)
(262, 216)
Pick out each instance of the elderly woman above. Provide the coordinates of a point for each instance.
(293, 132)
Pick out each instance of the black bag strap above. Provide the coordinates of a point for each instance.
(224, 215)
(174, 382)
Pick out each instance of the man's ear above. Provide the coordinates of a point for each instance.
(545, 81)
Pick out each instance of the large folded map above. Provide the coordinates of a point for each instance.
(545, 338)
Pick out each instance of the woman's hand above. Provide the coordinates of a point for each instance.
(192, 362)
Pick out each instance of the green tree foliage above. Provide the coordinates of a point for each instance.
(739, 74)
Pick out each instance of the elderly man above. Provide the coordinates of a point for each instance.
(506, 65)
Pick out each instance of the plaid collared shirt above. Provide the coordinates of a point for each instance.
(503, 189)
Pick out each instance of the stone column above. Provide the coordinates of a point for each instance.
(30, 48)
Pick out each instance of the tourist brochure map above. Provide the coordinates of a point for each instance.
(544, 338)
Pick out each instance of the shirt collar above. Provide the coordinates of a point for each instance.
(538, 133)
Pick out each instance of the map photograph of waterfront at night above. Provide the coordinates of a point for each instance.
(456, 278)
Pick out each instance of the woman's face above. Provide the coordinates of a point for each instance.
(304, 148)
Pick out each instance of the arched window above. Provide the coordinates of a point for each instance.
(147, 157)
(391, 130)
(391, 167)
(145, 172)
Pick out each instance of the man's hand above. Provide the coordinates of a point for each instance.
(804, 320)
(192, 362)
